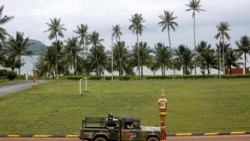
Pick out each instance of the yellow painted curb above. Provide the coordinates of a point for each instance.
(13, 136)
(210, 134)
(237, 133)
(184, 134)
(72, 136)
(41, 136)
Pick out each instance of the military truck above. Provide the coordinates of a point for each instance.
(126, 128)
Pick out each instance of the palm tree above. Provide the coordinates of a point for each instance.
(194, 6)
(41, 64)
(83, 35)
(55, 28)
(162, 56)
(73, 49)
(206, 56)
(47, 61)
(16, 47)
(97, 60)
(6, 60)
(81, 65)
(116, 34)
(2, 57)
(153, 65)
(232, 58)
(222, 29)
(82, 32)
(4, 20)
(53, 59)
(169, 23)
(219, 46)
(96, 42)
(185, 56)
(244, 47)
(144, 54)
(59, 53)
(121, 57)
(137, 29)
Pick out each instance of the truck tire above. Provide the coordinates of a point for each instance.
(100, 139)
(152, 139)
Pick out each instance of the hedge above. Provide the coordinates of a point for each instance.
(3, 73)
(128, 77)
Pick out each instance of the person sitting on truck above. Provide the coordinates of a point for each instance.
(136, 125)
(129, 125)
(110, 121)
(110, 116)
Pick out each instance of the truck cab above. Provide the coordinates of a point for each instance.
(126, 128)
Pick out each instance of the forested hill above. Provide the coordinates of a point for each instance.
(36, 46)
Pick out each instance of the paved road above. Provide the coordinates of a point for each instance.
(18, 86)
(185, 138)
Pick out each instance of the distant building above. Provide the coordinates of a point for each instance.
(235, 71)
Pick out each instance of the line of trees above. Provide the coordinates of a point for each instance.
(85, 53)
(11, 51)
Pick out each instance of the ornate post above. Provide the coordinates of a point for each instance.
(34, 76)
(162, 102)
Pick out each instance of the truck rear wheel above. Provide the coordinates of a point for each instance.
(152, 139)
(100, 139)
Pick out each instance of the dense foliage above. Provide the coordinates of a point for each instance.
(85, 54)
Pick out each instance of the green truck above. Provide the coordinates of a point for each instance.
(126, 128)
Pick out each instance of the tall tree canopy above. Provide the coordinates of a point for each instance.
(16, 47)
(55, 28)
(3, 20)
(223, 29)
(137, 27)
(244, 47)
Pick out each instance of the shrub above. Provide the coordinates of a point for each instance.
(124, 78)
(95, 78)
(73, 77)
(158, 77)
(3, 73)
(12, 75)
(108, 78)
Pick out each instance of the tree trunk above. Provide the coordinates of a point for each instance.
(171, 57)
(112, 62)
(194, 40)
(141, 71)
(208, 70)
(138, 55)
(98, 71)
(245, 58)
(74, 63)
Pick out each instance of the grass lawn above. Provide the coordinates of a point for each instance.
(7, 81)
(194, 106)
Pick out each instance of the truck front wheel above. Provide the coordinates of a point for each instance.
(152, 139)
(100, 139)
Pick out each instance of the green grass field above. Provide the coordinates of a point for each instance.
(194, 106)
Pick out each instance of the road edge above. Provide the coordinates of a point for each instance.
(170, 134)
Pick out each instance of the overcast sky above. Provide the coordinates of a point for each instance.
(31, 16)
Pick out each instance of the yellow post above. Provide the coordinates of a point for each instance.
(162, 102)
